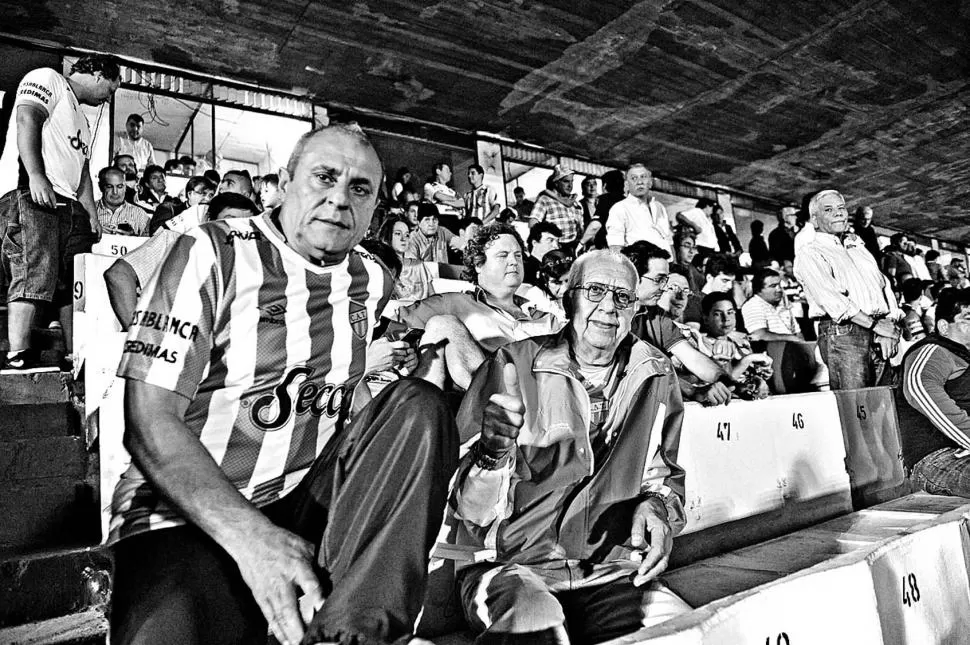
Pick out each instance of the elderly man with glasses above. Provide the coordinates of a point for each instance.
(573, 476)
(657, 327)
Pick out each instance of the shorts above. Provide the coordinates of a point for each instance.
(39, 245)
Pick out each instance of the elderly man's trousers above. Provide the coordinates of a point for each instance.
(373, 501)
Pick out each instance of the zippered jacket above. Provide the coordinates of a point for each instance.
(550, 502)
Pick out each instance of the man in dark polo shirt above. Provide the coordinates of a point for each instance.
(657, 327)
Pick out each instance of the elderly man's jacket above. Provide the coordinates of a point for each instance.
(551, 502)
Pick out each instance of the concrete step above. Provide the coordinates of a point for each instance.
(46, 585)
(85, 628)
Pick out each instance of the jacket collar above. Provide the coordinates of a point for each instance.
(556, 354)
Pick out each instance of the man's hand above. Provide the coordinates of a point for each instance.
(96, 227)
(42, 192)
(761, 361)
(716, 394)
(385, 354)
(274, 563)
(887, 346)
(886, 329)
(504, 416)
(651, 526)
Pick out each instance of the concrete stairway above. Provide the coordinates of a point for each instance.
(54, 579)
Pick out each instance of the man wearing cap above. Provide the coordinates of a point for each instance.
(639, 216)
(556, 204)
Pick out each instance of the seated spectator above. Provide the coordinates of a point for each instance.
(411, 211)
(460, 329)
(152, 189)
(181, 216)
(720, 271)
(728, 347)
(758, 247)
(675, 295)
(567, 524)
(894, 263)
(430, 242)
(129, 275)
(685, 251)
(551, 289)
(523, 207)
(213, 176)
(957, 274)
(117, 216)
(238, 181)
(543, 237)
(766, 315)
(172, 167)
(270, 195)
(467, 229)
(188, 165)
(934, 267)
(402, 182)
(414, 280)
(912, 323)
(506, 216)
(936, 382)
(657, 327)
(126, 164)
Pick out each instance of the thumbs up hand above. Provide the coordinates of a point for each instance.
(504, 416)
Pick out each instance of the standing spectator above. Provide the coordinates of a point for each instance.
(47, 201)
(269, 192)
(934, 267)
(590, 191)
(914, 256)
(557, 205)
(117, 216)
(430, 242)
(936, 382)
(543, 237)
(613, 192)
(727, 239)
(640, 216)
(757, 247)
(481, 202)
(133, 143)
(894, 262)
(439, 192)
(862, 225)
(781, 240)
(698, 220)
(766, 315)
(857, 312)
(522, 205)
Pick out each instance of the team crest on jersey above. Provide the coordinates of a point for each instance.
(358, 319)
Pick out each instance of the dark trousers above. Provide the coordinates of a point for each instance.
(372, 502)
(852, 356)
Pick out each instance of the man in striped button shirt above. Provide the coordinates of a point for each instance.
(248, 486)
(853, 302)
(117, 216)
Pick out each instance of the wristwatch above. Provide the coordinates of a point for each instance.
(485, 459)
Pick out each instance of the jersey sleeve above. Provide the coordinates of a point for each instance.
(41, 88)
(171, 334)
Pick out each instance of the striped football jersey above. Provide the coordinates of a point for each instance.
(267, 346)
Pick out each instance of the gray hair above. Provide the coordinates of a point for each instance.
(813, 202)
(636, 165)
(575, 277)
(351, 129)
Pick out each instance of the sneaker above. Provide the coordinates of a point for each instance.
(23, 362)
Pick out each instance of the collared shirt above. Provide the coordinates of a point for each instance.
(429, 249)
(129, 214)
(490, 325)
(141, 150)
(479, 202)
(567, 214)
(842, 278)
(631, 220)
(758, 313)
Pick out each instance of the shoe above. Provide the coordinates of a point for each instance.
(25, 362)
(55, 324)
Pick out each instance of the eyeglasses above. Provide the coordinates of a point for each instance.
(660, 281)
(679, 291)
(595, 292)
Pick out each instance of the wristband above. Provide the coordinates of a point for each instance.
(648, 494)
(484, 459)
(872, 325)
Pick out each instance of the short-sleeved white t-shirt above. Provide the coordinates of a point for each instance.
(65, 137)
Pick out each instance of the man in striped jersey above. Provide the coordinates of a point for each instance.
(248, 486)
(937, 384)
(858, 316)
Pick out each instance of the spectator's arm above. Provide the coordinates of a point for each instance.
(681, 218)
(616, 228)
(764, 335)
(30, 123)
(924, 377)
(701, 366)
(85, 195)
(441, 197)
(122, 283)
(662, 476)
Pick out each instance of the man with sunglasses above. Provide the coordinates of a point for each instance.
(573, 475)
(936, 382)
(657, 327)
